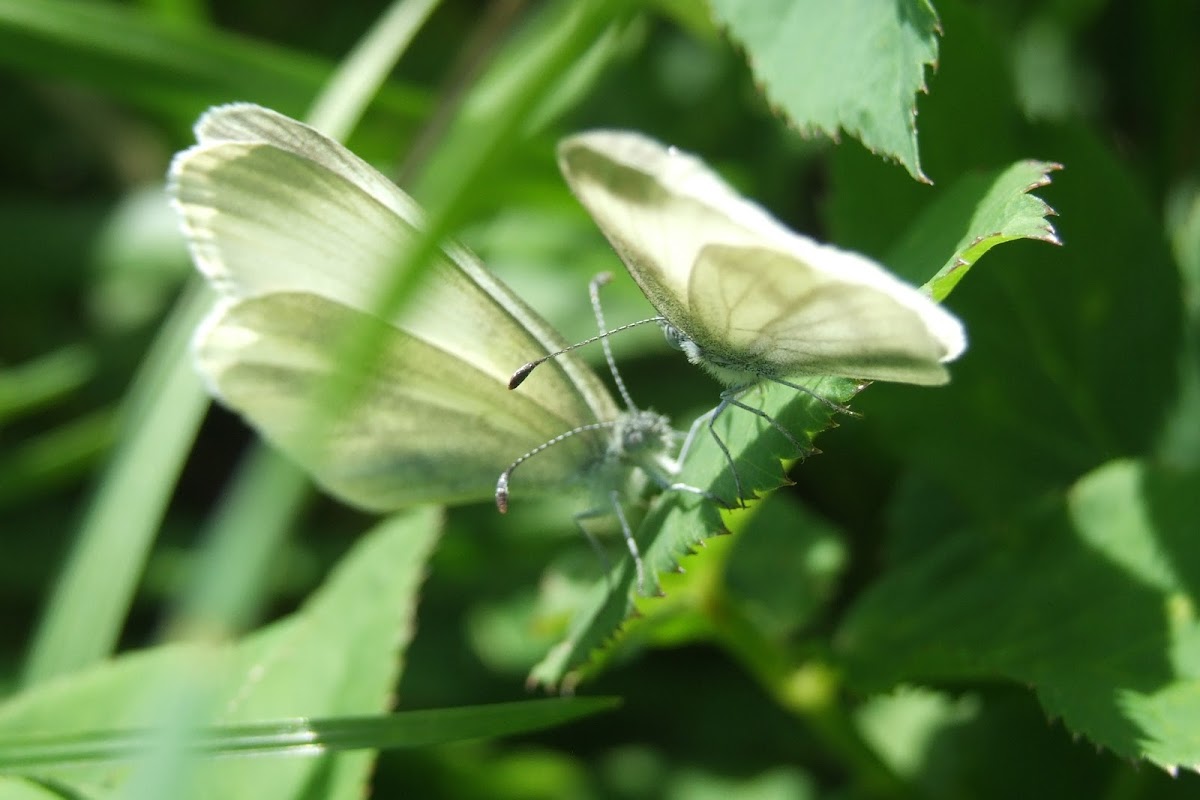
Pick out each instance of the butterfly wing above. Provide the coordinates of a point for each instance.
(271, 205)
(658, 207)
(273, 209)
(773, 314)
(423, 427)
(249, 123)
(754, 297)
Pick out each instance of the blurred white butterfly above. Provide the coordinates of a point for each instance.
(740, 294)
(295, 233)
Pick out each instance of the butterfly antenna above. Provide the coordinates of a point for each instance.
(521, 374)
(594, 291)
(502, 482)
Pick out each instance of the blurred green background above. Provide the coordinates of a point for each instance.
(1081, 356)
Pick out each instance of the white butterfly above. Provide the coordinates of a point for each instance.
(296, 233)
(742, 296)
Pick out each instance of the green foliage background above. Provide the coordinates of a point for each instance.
(984, 590)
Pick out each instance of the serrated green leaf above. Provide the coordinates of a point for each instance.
(340, 654)
(848, 66)
(1090, 599)
(677, 522)
(872, 206)
(982, 210)
(1072, 350)
(752, 592)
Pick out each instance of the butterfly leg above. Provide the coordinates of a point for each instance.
(605, 564)
(691, 435)
(712, 419)
(667, 486)
(615, 498)
(774, 424)
(832, 405)
(626, 531)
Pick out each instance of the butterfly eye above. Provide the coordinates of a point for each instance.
(675, 337)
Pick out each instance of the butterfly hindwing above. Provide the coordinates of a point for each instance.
(773, 313)
(422, 427)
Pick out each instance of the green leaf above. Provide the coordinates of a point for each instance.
(969, 122)
(340, 654)
(752, 593)
(854, 65)
(1089, 599)
(981, 210)
(677, 522)
(1063, 344)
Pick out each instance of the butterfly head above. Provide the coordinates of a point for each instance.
(729, 371)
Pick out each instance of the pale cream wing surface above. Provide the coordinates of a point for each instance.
(247, 122)
(263, 219)
(773, 314)
(658, 206)
(741, 285)
(424, 427)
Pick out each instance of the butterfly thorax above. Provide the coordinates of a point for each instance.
(641, 442)
(639, 435)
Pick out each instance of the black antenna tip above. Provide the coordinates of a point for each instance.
(502, 493)
(520, 375)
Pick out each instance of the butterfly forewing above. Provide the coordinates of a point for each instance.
(248, 123)
(263, 220)
(476, 287)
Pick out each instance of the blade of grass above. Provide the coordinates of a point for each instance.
(346, 95)
(300, 737)
(55, 458)
(165, 65)
(25, 388)
(161, 416)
